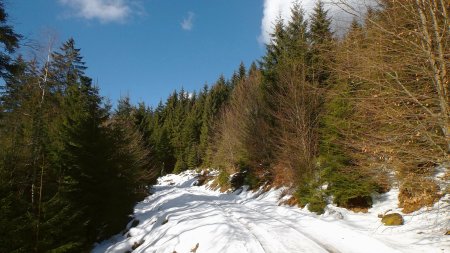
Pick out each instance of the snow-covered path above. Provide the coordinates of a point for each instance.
(180, 218)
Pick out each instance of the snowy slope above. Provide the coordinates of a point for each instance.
(180, 218)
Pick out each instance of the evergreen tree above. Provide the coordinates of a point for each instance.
(297, 35)
(321, 54)
(242, 71)
(69, 174)
(217, 97)
(9, 41)
(17, 216)
(67, 67)
(124, 108)
(274, 51)
(253, 69)
(234, 80)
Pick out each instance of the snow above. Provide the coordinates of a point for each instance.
(180, 217)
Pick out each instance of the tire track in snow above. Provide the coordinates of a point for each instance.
(239, 223)
(305, 241)
(302, 242)
(261, 239)
(311, 244)
(328, 248)
(267, 241)
(215, 206)
(233, 220)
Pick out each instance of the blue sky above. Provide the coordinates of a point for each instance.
(145, 49)
(148, 48)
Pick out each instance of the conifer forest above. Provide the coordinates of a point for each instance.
(360, 111)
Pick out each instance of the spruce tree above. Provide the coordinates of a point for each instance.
(17, 215)
(242, 71)
(67, 67)
(321, 39)
(274, 52)
(9, 41)
(296, 33)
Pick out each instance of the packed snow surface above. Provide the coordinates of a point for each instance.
(180, 217)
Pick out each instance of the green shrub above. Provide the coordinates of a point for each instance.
(351, 188)
(224, 179)
(317, 204)
(303, 194)
(252, 180)
(180, 166)
(311, 195)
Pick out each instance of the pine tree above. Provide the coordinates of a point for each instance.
(253, 69)
(321, 40)
(234, 80)
(17, 216)
(9, 40)
(242, 71)
(217, 97)
(124, 108)
(69, 174)
(297, 35)
(67, 67)
(274, 51)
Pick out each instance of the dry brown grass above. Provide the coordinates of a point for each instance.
(416, 192)
(292, 201)
(383, 182)
(446, 176)
(215, 185)
(283, 176)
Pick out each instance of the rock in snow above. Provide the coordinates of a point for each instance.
(392, 219)
(180, 217)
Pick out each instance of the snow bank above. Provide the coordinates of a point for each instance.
(180, 217)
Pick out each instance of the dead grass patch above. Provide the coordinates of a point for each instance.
(283, 176)
(417, 192)
(215, 185)
(292, 201)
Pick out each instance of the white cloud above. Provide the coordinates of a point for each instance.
(188, 23)
(103, 10)
(341, 14)
(273, 9)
